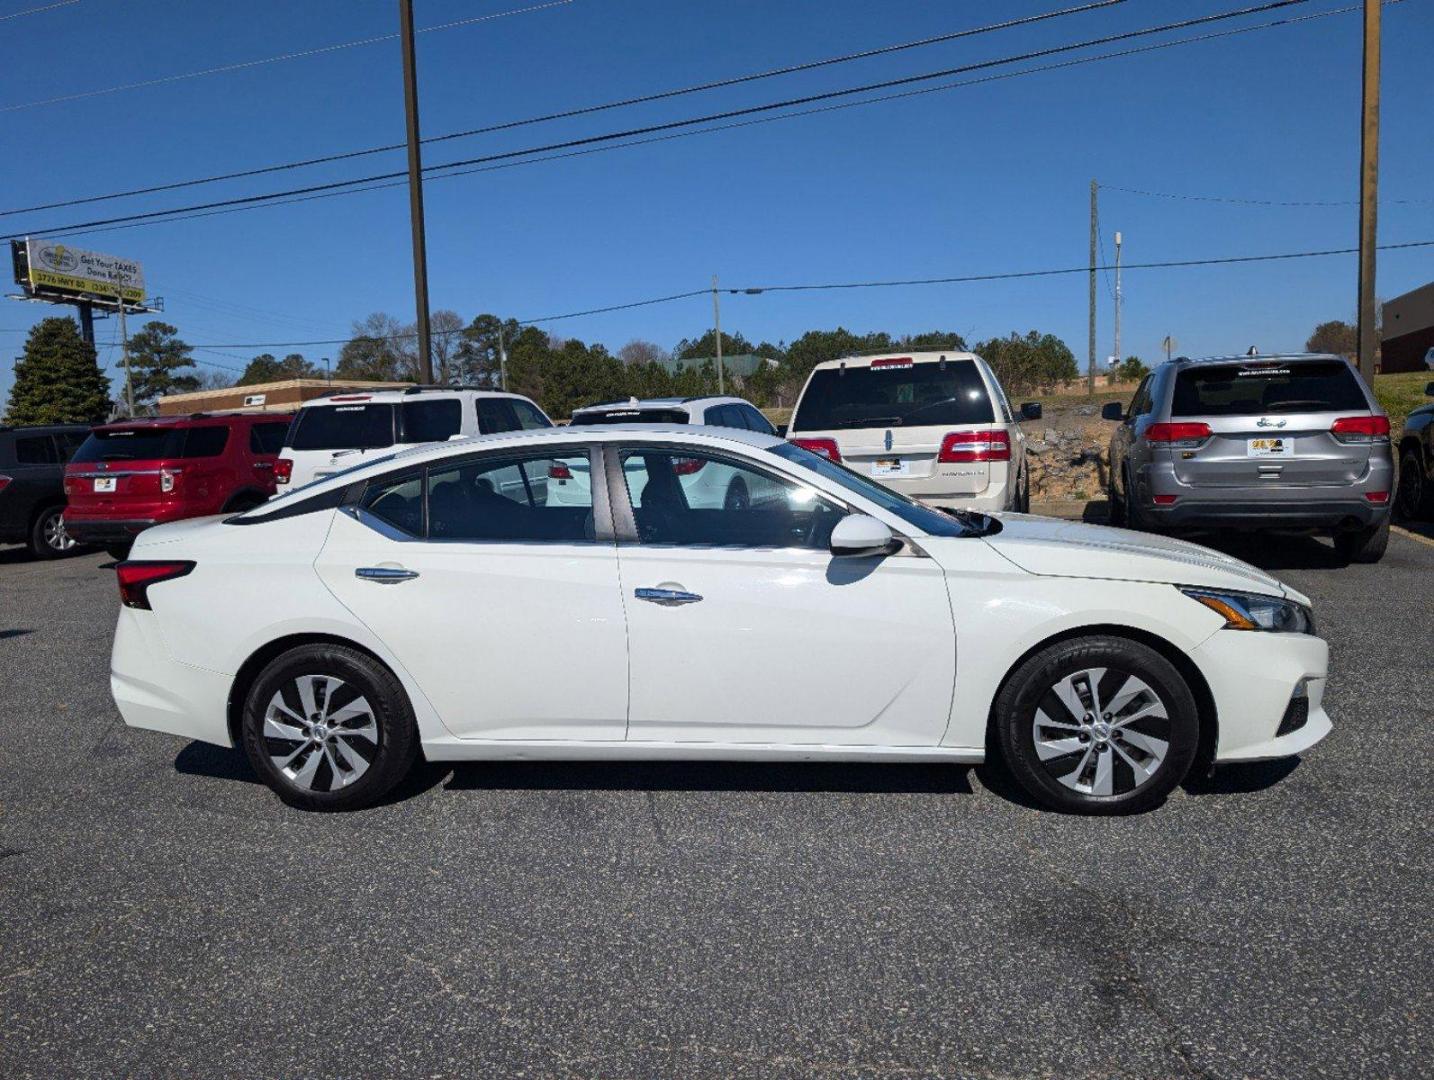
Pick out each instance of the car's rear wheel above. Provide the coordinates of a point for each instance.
(1414, 499)
(329, 728)
(1097, 725)
(1363, 545)
(48, 539)
(1130, 505)
(1115, 503)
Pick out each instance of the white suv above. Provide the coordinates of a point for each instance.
(332, 433)
(934, 426)
(712, 411)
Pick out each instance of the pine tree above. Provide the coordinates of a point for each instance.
(58, 380)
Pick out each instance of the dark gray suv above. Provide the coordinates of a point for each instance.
(1255, 442)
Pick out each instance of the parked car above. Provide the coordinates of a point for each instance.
(132, 474)
(933, 426)
(1255, 442)
(1415, 499)
(32, 486)
(330, 434)
(407, 607)
(703, 486)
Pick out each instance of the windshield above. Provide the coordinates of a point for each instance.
(342, 427)
(1256, 389)
(132, 444)
(925, 518)
(929, 393)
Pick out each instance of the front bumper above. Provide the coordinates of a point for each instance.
(1252, 676)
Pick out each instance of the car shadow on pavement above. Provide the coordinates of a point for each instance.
(1275, 551)
(1242, 778)
(221, 763)
(19, 631)
(854, 777)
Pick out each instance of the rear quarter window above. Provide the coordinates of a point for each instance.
(1256, 389)
(205, 441)
(267, 438)
(913, 395)
(431, 421)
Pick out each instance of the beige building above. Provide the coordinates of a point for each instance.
(282, 396)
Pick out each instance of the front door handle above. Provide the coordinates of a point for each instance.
(667, 597)
(385, 575)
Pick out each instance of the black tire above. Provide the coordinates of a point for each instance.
(1023, 499)
(1414, 500)
(386, 756)
(1069, 781)
(1363, 545)
(119, 552)
(737, 497)
(1116, 505)
(48, 539)
(1130, 506)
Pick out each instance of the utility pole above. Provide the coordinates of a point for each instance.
(1118, 357)
(415, 191)
(1368, 190)
(1090, 352)
(124, 351)
(717, 324)
(328, 376)
(502, 359)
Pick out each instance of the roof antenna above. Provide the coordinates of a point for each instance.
(1253, 351)
(941, 364)
(841, 368)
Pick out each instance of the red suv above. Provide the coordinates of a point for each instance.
(132, 474)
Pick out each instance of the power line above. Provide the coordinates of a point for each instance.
(243, 64)
(716, 128)
(1164, 264)
(1250, 202)
(37, 10)
(670, 125)
(582, 111)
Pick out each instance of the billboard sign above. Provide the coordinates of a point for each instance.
(52, 267)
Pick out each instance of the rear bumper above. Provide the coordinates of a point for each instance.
(106, 530)
(1271, 506)
(157, 693)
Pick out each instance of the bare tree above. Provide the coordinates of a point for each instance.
(638, 351)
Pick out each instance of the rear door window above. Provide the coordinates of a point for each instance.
(507, 501)
(200, 442)
(894, 395)
(494, 415)
(431, 421)
(1256, 389)
(36, 450)
(343, 427)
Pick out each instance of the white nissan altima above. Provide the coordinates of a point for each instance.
(442, 603)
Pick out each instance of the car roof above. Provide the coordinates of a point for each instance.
(385, 397)
(42, 429)
(1258, 358)
(662, 402)
(194, 418)
(917, 357)
(419, 455)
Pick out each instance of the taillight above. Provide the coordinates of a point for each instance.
(894, 362)
(1165, 500)
(558, 471)
(1361, 429)
(686, 466)
(827, 448)
(1178, 434)
(136, 576)
(283, 470)
(167, 480)
(1377, 497)
(960, 447)
(5, 482)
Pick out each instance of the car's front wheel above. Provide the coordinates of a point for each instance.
(1097, 725)
(329, 728)
(1414, 499)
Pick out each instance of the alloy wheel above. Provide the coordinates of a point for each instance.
(55, 536)
(320, 733)
(1101, 731)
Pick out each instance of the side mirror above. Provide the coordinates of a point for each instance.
(1031, 410)
(1112, 410)
(782, 428)
(861, 534)
(1429, 390)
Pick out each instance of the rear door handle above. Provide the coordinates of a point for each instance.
(385, 575)
(667, 597)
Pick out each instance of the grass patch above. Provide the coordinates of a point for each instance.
(1401, 394)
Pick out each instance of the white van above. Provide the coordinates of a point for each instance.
(934, 426)
(332, 433)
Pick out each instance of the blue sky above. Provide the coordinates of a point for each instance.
(982, 179)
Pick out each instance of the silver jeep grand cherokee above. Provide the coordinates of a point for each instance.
(1255, 442)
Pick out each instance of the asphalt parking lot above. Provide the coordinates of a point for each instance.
(161, 914)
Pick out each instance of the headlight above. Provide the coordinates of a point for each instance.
(1251, 611)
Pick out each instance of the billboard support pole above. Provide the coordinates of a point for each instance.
(87, 323)
(124, 350)
(415, 191)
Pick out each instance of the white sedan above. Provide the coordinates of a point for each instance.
(436, 603)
